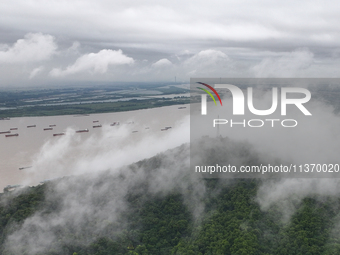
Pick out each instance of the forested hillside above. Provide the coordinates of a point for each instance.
(158, 206)
(231, 223)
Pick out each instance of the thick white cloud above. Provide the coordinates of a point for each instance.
(172, 25)
(257, 39)
(36, 71)
(289, 64)
(94, 63)
(164, 62)
(208, 57)
(207, 62)
(33, 48)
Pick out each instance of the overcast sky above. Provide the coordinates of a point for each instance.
(65, 42)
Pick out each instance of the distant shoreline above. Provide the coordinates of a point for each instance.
(89, 100)
(79, 109)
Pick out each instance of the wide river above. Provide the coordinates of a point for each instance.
(19, 151)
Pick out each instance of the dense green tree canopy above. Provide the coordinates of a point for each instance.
(232, 223)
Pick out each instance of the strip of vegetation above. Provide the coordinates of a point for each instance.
(32, 97)
(92, 108)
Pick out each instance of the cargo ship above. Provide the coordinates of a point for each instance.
(5, 132)
(53, 125)
(13, 129)
(82, 131)
(95, 121)
(114, 124)
(25, 167)
(49, 128)
(80, 115)
(30, 126)
(58, 134)
(10, 135)
(97, 126)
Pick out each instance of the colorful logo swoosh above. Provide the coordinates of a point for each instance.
(213, 90)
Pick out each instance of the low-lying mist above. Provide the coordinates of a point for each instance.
(103, 171)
